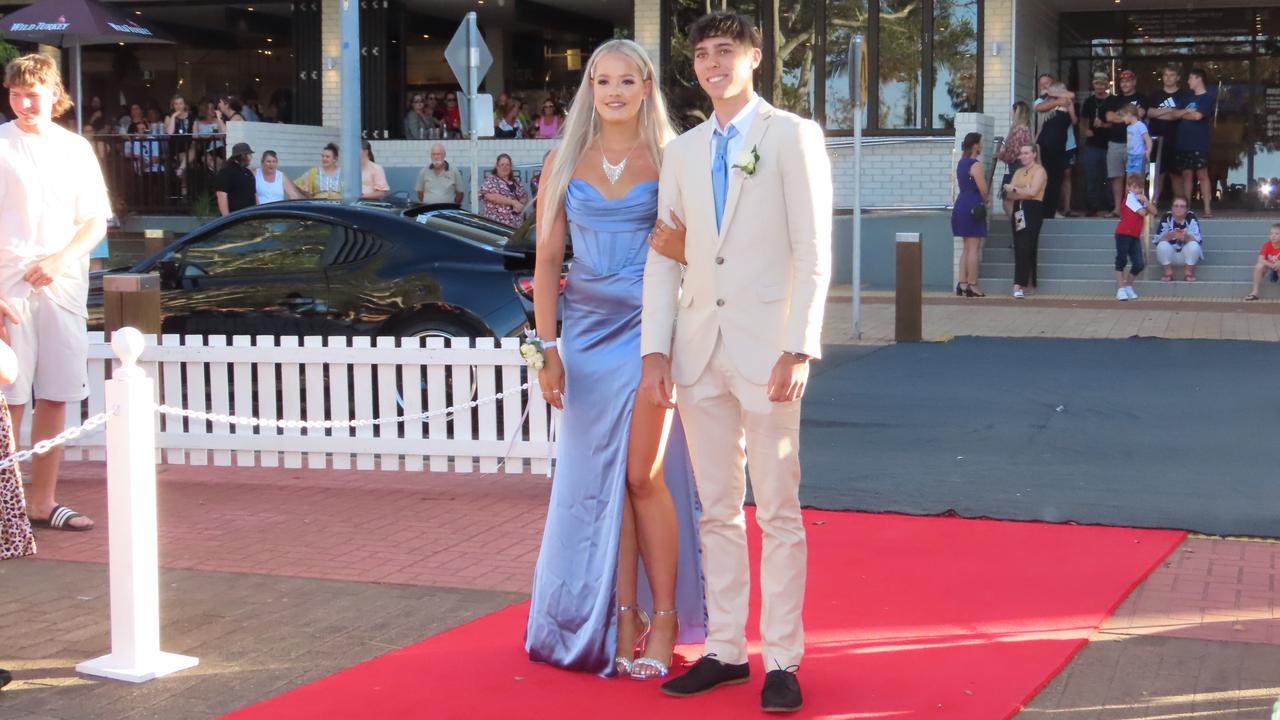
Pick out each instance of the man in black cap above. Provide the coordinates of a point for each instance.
(1118, 139)
(234, 184)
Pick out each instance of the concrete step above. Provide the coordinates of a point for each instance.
(1062, 271)
(1256, 226)
(1108, 240)
(1149, 288)
(1104, 256)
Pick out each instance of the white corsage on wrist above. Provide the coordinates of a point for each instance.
(531, 350)
(746, 161)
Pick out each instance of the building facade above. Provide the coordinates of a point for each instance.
(935, 69)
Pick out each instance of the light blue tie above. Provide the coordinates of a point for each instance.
(720, 171)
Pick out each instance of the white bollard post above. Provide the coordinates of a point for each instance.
(131, 509)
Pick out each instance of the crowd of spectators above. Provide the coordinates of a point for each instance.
(1120, 133)
(433, 116)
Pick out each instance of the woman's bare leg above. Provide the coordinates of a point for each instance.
(972, 251)
(629, 626)
(655, 520)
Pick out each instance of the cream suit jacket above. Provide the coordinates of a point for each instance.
(761, 281)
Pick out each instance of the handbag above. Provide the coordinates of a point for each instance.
(978, 212)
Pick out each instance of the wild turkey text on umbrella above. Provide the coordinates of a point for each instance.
(73, 23)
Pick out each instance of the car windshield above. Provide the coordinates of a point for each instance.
(467, 226)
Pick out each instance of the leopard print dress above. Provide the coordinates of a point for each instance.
(16, 539)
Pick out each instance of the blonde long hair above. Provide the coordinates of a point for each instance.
(1021, 115)
(582, 126)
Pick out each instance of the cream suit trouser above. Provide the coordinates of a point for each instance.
(730, 422)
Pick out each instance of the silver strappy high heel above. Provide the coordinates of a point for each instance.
(623, 665)
(647, 668)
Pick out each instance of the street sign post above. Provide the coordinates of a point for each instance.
(349, 135)
(855, 93)
(470, 60)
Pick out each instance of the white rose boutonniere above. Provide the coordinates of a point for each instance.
(746, 161)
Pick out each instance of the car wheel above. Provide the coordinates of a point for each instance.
(433, 327)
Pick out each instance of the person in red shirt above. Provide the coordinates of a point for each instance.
(1268, 262)
(1129, 237)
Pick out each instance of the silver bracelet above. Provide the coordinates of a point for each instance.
(548, 344)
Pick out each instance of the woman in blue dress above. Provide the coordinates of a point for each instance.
(966, 220)
(623, 489)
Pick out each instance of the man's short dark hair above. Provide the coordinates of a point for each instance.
(724, 24)
(1200, 73)
(1172, 67)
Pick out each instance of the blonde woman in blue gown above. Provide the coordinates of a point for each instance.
(618, 581)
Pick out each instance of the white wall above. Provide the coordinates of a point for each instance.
(331, 47)
(1037, 51)
(913, 172)
(648, 26)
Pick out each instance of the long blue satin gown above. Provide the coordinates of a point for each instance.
(573, 612)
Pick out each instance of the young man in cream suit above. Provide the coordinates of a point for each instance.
(752, 185)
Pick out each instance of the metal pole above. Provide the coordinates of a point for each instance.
(349, 123)
(473, 82)
(79, 93)
(855, 86)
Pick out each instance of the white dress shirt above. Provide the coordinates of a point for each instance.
(741, 121)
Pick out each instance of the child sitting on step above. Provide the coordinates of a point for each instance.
(1268, 262)
(1129, 251)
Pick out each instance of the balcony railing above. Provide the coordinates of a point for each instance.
(161, 174)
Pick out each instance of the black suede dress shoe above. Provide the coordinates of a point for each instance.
(781, 692)
(706, 675)
(5, 678)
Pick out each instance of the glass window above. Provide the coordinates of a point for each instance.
(900, 54)
(258, 246)
(955, 60)
(793, 46)
(844, 18)
(687, 103)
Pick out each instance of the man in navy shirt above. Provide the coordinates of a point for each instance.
(1194, 136)
(1162, 120)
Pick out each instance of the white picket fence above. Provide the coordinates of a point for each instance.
(336, 379)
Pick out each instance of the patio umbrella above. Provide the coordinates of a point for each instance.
(72, 24)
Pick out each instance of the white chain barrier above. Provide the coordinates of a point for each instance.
(334, 424)
(45, 446)
(100, 419)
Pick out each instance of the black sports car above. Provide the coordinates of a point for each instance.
(329, 268)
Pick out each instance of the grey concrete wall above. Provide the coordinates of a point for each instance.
(878, 230)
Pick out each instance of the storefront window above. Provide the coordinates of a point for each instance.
(793, 45)
(900, 41)
(955, 60)
(921, 60)
(844, 19)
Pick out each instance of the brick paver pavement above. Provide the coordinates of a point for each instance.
(946, 316)
(465, 531)
(255, 636)
(1199, 639)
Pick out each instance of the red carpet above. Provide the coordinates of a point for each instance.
(906, 617)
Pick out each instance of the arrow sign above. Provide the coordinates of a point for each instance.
(466, 50)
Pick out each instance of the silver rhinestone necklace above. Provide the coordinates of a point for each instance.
(614, 172)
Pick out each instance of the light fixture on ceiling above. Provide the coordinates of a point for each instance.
(270, 40)
(137, 12)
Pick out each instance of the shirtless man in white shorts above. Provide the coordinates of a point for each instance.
(53, 211)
